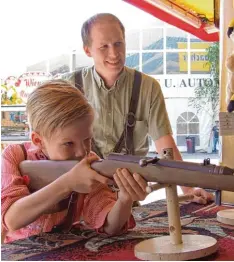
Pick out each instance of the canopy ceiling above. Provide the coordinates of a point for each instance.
(198, 17)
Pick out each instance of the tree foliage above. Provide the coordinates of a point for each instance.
(206, 96)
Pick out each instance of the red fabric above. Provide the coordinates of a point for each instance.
(173, 20)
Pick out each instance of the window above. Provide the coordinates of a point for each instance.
(152, 63)
(187, 125)
(152, 39)
(132, 60)
(198, 56)
(176, 39)
(176, 63)
(133, 40)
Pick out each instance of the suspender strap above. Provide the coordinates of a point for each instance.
(126, 138)
(79, 80)
(24, 151)
(74, 210)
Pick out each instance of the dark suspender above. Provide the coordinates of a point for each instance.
(24, 151)
(126, 139)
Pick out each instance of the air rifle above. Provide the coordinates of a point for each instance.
(163, 171)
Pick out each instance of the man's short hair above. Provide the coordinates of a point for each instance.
(87, 25)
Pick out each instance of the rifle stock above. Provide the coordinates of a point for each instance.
(43, 172)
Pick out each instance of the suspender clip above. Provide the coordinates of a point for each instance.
(131, 120)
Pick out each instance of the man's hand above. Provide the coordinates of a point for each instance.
(201, 196)
(131, 187)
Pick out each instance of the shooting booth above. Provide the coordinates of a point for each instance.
(175, 228)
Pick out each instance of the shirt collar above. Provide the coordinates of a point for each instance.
(37, 152)
(101, 83)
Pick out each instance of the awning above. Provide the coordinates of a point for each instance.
(197, 17)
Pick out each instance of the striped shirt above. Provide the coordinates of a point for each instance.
(96, 205)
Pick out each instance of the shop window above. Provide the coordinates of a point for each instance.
(132, 60)
(152, 63)
(152, 39)
(133, 40)
(199, 63)
(187, 124)
(176, 63)
(176, 39)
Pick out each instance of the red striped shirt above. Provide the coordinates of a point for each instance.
(97, 204)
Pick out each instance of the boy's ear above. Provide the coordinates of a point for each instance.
(36, 139)
(87, 51)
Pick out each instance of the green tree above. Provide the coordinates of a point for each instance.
(206, 96)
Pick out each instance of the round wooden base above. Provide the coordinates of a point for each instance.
(161, 248)
(226, 216)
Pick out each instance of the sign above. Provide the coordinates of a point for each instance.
(28, 81)
(187, 82)
(198, 59)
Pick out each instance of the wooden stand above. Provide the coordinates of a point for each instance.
(226, 216)
(161, 248)
(175, 247)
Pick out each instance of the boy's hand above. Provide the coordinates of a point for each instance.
(82, 178)
(131, 187)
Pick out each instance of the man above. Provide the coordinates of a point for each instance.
(108, 87)
(215, 135)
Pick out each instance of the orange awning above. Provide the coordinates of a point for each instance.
(197, 17)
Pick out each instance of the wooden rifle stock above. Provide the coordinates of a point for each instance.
(204, 175)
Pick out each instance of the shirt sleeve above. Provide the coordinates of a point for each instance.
(98, 204)
(13, 185)
(159, 124)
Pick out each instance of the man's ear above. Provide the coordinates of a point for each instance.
(87, 50)
(36, 139)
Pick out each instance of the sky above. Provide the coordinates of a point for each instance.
(34, 30)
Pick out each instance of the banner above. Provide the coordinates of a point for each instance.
(198, 60)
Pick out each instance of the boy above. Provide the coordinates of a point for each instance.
(61, 129)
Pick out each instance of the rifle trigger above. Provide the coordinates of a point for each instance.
(206, 162)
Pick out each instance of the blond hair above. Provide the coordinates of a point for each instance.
(54, 105)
